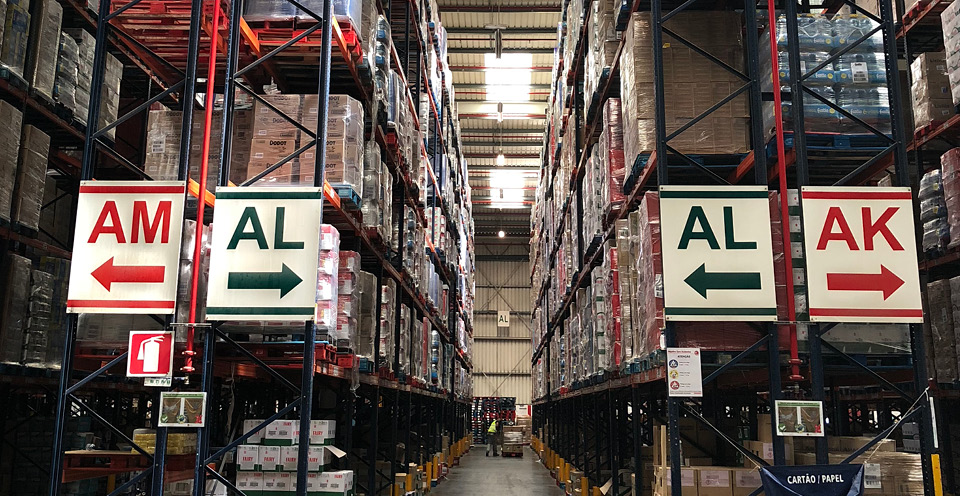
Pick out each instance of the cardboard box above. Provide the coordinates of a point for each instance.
(745, 481)
(248, 458)
(714, 481)
(269, 458)
(251, 483)
(249, 425)
(323, 432)
(662, 482)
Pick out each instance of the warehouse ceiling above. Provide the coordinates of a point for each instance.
(501, 99)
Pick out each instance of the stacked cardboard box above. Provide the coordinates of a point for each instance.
(10, 128)
(692, 84)
(44, 45)
(267, 463)
(31, 175)
(163, 139)
(930, 89)
(348, 301)
(377, 203)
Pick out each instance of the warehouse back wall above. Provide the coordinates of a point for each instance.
(501, 354)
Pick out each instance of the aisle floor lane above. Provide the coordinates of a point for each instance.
(478, 475)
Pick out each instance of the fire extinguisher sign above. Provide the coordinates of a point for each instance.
(150, 354)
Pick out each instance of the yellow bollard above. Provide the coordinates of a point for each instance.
(584, 486)
(596, 491)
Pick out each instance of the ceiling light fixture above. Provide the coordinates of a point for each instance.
(501, 160)
(498, 43)
(501, 234)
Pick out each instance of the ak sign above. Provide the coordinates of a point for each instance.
(264, 251)
(717, 253)
(861, 255)
(126, 250)
(812, 480)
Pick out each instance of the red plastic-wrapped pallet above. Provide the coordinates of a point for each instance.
(950, 170)
(614, 291)
(612, 141)
(649, 278)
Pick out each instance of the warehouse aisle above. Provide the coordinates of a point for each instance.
(479, 475)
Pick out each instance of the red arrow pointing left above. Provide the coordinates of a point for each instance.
(108, 273)
(886, 281)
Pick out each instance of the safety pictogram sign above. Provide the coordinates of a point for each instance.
(150, 354)
(126, 249)
(861, 254)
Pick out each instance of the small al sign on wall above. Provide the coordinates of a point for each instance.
(503, 318)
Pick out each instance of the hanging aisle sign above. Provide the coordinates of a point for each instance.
(126, 248)
(264, 254)
(861, 255)
(717, 253)
(812, 480)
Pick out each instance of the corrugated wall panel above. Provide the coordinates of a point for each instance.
(502, 366)
(502, 356)
(493, 385)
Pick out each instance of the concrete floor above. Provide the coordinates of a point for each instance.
(478, 475)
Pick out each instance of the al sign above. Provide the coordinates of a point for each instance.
(264, 252)
(861, 254)
(717, 253)
(126, 250)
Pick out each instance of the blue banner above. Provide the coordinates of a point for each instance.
(813, 480)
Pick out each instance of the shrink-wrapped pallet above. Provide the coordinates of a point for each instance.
(10, 130)
(14, 308)
(44, 44)
(16, 35)
(31, 174)
(941, 327)
(930, 89)
(68, 62)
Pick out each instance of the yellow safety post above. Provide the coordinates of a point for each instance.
(937, 476)
(584, 486)
(596, 491)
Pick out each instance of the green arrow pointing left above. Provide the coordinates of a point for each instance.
(285, 280)
(702, 281)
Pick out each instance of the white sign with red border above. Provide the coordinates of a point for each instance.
(126, 249)
(861, 255)
(150, 354)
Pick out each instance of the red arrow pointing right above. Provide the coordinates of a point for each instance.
(108, 273)
(886, 281)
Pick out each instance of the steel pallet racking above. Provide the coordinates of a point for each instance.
(165, 43)
(600, 426)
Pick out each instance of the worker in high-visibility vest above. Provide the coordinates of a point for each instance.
(492, 439)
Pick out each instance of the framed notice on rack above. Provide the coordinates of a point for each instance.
(799, 418)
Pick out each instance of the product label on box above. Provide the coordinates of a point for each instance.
(747, 479)
(872, 476)
(715, 478)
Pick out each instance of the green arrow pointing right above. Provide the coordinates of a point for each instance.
(702, 281)
(285, 280)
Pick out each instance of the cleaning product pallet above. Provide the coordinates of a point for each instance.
(364, 365)
(349, 198)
